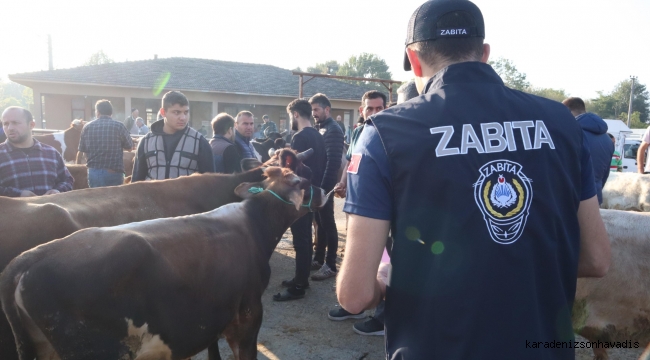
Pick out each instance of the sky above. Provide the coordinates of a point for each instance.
(581, 46)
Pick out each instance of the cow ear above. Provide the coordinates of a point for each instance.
(289, 160)
(246, 190)
(296, 198)
(250, 164)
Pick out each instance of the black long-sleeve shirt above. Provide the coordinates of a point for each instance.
(333, 137)
(309, 138)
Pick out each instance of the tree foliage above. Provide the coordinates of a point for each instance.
(330, 67)
(508, 72)
(364, 65)
(614, 104)
(12, 94)
(98, 58)
(549, 93)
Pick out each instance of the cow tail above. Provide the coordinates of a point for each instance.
(9, 284)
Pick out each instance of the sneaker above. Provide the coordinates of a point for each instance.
(341, 314)
(371, 326)
(325, 272)
(315, 265)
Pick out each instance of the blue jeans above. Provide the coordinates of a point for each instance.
(104, 177)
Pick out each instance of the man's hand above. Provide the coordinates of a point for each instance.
(26, 193)
(52, 192)
(383, 276)
(340, 190)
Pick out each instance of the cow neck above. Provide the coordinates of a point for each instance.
(213, 193)
(269, 219)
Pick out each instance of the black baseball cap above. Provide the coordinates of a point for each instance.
(430, 22)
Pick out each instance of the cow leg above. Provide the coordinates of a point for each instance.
(213, 351)
(243, 331)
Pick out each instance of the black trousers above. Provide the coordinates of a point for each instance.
(327, 235)
(302, 243)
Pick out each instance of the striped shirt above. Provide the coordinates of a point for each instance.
(103, 140)
(38, 169)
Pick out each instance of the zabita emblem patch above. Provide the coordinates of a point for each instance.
(503, 194)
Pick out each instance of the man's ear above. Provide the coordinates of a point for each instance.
(415, 62)
(162, 112)
(486, 53)
(296, 197)
(246, 190)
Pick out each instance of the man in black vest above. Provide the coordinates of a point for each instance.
(490, 198)
(172, 148)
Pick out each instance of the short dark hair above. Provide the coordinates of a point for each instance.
(221, 123)
(373, 94)
(450, 49)
(320, 99)
(575, 104)
(172, 98)
(244, 113)
(133, 109)
(26, 113)
(611, 136)
(104, 107)
(301, 106)
(265, 116)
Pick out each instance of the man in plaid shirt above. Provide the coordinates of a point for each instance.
(27, 167)
(102, 140)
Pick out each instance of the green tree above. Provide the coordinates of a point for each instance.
(509, 74)
(98, 58)
(367, 66)
(549, 93)
(330, 67)
(612, 105)
(635, 120)
(12, 94)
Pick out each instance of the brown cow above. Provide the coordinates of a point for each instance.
(66, 142)
(29, 222)
(128, 157)
(80, 175)
(159, 289)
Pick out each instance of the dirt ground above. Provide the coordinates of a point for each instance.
(300, 329)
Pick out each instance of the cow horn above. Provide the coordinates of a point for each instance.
(305, 154)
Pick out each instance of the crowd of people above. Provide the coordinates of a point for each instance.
(472, 207)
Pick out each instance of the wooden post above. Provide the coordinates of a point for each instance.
(390, 93)
(300, 87)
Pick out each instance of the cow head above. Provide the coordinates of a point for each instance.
(285, 158)
(287, 187)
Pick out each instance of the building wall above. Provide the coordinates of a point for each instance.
(59, 99)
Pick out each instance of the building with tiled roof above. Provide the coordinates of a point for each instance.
(212, 86)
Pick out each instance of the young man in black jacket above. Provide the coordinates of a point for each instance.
(327, 233)
(304, 139)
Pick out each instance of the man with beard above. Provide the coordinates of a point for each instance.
(327, 233)
(27, 167)
(305, 138)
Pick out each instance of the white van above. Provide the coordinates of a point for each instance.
(626, 143)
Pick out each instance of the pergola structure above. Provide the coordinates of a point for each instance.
(387, 83)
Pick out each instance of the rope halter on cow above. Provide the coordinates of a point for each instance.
(257, 190)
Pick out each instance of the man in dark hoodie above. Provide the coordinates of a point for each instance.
(327, 233)
(226, 156)
(172, 148)
(600, 146)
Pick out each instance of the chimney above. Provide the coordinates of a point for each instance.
(155, 56)
(49, 51)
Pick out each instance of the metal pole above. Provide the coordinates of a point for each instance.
(300, 87)
(49, 51)
(629, 110)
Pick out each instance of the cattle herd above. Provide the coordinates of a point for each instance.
(97, 273)
(102, 289)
